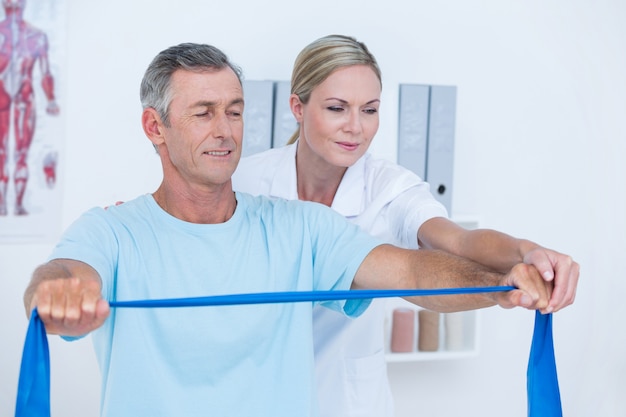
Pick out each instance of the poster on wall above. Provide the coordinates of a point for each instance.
(32, 134)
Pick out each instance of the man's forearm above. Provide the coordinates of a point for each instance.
(437, 269)
(391, 267)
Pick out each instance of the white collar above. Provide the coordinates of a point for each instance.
(347, 201)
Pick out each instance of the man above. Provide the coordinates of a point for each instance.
(194, 236)
(21, 47)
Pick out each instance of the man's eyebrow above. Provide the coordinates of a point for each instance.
(205, 103)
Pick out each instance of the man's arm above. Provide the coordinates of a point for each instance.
(501, 252)
(67, 295)
(390, 267)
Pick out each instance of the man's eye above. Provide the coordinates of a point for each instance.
(202, 114)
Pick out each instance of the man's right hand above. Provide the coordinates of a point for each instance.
(67, 295)
(70, 306)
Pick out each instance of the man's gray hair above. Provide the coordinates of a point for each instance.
(155, 91)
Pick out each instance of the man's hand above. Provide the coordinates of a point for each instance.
(533, 292)
(559, 269)
(67, 295)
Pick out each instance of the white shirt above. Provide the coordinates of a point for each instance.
(389, 202)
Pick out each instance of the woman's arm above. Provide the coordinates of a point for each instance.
(501, 252)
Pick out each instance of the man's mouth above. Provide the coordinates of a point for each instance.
(217, 153)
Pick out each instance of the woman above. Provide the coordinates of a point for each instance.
(336, 87)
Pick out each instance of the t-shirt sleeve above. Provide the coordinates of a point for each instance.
(91, 239)
(339, 248)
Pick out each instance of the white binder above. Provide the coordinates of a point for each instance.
(284, 122)
(440, 155)
(257, 116)
(426, 127)
(413, 127)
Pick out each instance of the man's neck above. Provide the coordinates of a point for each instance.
(197, 206)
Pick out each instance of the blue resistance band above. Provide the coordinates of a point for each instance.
(33, 393)
(544, 398)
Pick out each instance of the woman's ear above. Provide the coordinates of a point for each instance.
(297, 107)
(152, 126)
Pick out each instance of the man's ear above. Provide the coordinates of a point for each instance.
(152, 126)
(297, 107)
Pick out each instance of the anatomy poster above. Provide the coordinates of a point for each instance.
(32, 134)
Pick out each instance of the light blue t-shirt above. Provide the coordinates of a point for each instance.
(250, 360)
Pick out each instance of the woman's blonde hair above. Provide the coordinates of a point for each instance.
(321, 58)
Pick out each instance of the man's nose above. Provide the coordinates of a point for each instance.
(222, 126)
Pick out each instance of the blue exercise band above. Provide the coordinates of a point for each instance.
(33, 389)
(33, 393)
(544, 397)
(299, 296)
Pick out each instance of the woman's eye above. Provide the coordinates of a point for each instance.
(371, 111)
(335, 108)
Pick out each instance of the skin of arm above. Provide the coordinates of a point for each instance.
(389, 267)
(501, 252)
(67, 295)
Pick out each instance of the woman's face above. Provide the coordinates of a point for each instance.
(341, 117)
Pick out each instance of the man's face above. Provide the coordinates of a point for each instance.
(206, 126)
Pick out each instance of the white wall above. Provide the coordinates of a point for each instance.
(539, 148)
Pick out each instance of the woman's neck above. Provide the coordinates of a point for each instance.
(318, 180)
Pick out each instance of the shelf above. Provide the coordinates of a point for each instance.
(458, 332)
(428, 356)
(463, 344)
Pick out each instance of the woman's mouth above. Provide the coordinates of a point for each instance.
(349, 146)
